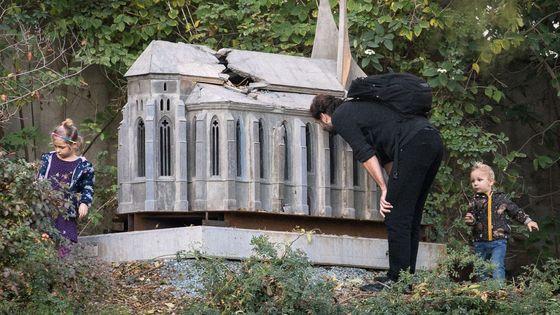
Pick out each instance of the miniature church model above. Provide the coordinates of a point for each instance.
(227, 131)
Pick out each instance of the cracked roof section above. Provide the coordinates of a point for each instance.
(285, 73)
(204, 93)
(272, 72)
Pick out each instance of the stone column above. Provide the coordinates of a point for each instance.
(339, 175)
(199, 180)
(254, 170)
(299, 169)
(277, 169)
(347, 182)
(125, 159)
(181, 184)
(322, 178)
(150, 123)
(230, 161)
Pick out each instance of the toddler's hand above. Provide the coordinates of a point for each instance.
(532, 225)
(469, 219)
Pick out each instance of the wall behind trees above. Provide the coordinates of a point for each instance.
(81, 104)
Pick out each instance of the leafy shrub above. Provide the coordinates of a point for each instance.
(267, 283)
(436, 291)
(33, 279)
(24, 202)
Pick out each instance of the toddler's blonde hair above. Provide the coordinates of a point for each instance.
(485, 168)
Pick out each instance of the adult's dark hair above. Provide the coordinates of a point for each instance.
(323, 104)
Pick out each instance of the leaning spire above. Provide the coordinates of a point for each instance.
(327, 33)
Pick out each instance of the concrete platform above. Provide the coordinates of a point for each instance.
(234, 243)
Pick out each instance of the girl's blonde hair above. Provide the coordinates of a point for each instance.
(485, 168)
(67, 132)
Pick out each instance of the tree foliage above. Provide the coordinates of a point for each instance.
(465, 49)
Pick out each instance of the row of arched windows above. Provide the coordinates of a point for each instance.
(166, 141)
(164, 105)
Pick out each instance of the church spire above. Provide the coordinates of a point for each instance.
(343, 57)
(327, 33)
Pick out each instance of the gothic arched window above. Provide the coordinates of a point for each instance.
(261, 149)
(356, 172)
(165, 148)
(286, 152)
(215, 147)
(238, 148)
(332, 154)
(141, 148)
(193, 146)
(308, 148)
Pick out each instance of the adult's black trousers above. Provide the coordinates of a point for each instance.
(418, 162)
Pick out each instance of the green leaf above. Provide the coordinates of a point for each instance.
(128, 39)
(172, 14)
(417, 30)
(388, 44)
(497, 96)
(486, 56)
(429, 72)
(496, 47)
(469, 108)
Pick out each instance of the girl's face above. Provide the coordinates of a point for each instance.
(63, 150)
(481, 182)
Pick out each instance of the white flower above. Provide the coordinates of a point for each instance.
(369, 52)
(555, 24)
(551, 53)
(485, 33)
(440, 70)
(488, 8)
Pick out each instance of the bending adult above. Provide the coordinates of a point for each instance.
(409, 149)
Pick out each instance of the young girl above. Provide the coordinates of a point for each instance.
(487, 215)
(64, 168)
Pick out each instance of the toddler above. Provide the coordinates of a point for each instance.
(487, 216)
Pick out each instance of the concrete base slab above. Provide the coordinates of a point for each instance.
(234, 243)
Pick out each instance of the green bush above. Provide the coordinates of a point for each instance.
(267, 283)
(24, 202)
(33, 279)
(438, 291)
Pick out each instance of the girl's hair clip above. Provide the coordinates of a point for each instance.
(63, 138)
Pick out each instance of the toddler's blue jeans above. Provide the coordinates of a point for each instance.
(495, 251)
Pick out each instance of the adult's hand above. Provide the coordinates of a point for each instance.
(384, 206)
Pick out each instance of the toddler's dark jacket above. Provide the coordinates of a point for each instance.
(501, 206)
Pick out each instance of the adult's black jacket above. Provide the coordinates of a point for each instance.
(374, 129)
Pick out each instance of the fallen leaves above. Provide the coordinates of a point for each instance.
(142, 288)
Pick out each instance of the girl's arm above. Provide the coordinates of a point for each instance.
(87, 184)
